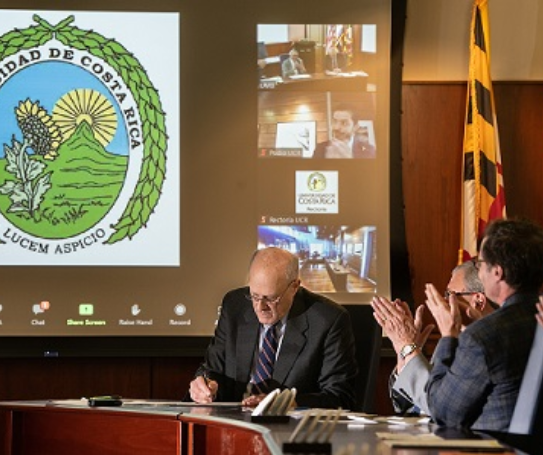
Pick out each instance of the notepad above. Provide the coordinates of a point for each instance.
(403, 421)
(399, 440)
(183, 404)
(490, 445)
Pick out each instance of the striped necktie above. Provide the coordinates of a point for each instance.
(266, 359)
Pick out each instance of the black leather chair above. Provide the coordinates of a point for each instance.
(368, 338)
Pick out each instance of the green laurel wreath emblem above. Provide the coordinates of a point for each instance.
(152, 173)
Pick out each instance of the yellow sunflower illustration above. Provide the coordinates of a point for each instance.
(39, 129)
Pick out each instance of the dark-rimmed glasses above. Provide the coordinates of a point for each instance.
(477, 262)
(448, 293)
(269, 300)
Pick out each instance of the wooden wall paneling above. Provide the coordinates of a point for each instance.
(519, 108)
(60, 378)
(276, 49)
(171, 376)
(6, 429)
(432, 135)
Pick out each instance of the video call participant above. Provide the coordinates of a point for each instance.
(408, 380)
(316, 348)
(293, 65)
(477, 373)
(345, 143)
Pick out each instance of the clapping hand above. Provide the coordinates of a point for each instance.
(399, 324)
(446, 313)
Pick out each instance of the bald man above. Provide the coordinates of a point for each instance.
(316, 349)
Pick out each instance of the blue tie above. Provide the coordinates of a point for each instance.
(266, 359)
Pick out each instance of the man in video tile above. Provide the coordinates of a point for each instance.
(293, 65)
(347, 141)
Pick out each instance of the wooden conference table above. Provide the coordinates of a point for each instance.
(164, 428)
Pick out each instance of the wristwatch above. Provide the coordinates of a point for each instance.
(407, 349)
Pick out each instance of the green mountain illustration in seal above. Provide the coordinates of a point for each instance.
(85, 182)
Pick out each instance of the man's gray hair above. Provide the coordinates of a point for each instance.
(471, 276)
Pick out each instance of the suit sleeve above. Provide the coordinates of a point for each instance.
(338, 372)
(411, 383)
(287, 68)
(214, 364)
(458, 382)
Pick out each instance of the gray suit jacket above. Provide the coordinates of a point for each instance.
(410, 383)
(317, 354)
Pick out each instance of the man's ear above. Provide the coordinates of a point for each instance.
(497, 270)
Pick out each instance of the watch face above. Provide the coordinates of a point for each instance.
(407, 349)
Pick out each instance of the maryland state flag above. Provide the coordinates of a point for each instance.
(483, 197)
(340, 36)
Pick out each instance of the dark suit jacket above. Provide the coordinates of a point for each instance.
(476, 378)
(317, 354)
(359, 150)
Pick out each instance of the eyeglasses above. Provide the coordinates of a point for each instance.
(269, 300)
(477, 262)
(448, 293)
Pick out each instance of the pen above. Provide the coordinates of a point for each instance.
(207, 381)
